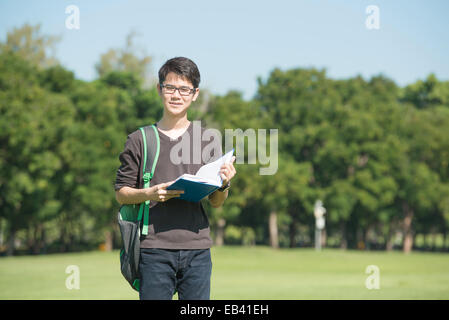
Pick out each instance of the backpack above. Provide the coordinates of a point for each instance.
(133, 219)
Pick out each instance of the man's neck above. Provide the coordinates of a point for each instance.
(168, 123)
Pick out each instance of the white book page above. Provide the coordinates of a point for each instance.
(191, 177)
(211, 171)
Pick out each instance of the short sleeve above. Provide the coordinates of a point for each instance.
(128, 174)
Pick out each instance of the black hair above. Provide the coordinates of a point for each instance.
(183, 67)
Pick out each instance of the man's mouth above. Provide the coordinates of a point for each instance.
(175, 103)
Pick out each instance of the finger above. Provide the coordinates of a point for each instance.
(166, 184)
(229, 174)
(175, 195)
(230, 171)
(170, 195)
(224, 174)
(163, 186)
(224, 178)
(164, 198)
(173, 192)
(230, 167)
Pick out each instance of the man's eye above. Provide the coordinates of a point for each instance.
(184, 89)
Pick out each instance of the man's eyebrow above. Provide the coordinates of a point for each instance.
(169, 84)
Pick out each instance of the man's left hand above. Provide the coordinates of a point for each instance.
(227, 172)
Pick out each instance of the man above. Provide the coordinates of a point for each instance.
(175, 255)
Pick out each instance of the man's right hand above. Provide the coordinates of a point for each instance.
(160, 194)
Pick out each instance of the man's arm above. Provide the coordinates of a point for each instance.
(217, 198)
(128, 195)
(227, 172)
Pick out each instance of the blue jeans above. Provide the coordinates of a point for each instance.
(165, 272)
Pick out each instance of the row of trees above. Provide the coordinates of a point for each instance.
(374, 153)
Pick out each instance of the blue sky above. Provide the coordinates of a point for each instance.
(234, 42)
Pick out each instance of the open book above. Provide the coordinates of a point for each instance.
(204, 182)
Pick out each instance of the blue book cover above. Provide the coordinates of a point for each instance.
(193, 190)
(204, 182)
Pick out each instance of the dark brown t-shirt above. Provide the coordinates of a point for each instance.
(175, 223)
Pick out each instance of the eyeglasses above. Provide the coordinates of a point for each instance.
(183, 91)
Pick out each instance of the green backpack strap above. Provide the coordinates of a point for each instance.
(151, 147)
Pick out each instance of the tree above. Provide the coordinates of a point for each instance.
(427, 93)
(232, 112)
(28, 43)
(298, 102)
(125, 59)
(33, 123)
(424, 172)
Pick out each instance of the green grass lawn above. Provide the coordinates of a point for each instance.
(242, 273)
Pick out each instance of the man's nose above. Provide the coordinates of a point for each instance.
(177, 94)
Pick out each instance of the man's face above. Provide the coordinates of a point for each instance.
(176, 103)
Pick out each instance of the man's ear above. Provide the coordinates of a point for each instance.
(196, 94)
(158, 86)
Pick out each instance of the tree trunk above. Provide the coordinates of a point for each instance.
(219, 236)
(292, 234)
(273, 229)
(11, 243)
(323, 238)
(108, 240)
(63, 238)
(30, 238)
(37, 241)
(344, 241)
(407, 228)
(444, 238)
(389, 241)
(43, 248)
(359, 236)
(366, 237)
(432, 241)
(1, 233)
